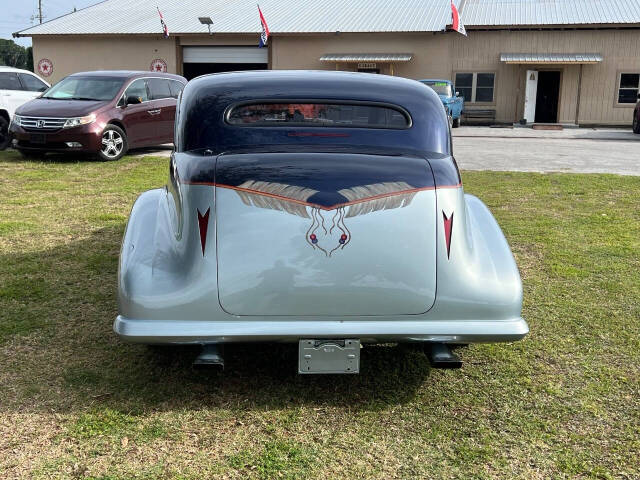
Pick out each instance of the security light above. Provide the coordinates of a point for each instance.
(206, 21)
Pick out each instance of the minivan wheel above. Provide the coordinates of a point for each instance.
(114, 143)
(5, 138)
(456, 123)
(636, 123)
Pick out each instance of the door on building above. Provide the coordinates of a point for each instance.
(547, 97)
(531, 90)
(203, 60)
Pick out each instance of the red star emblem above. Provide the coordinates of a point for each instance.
(158, 68)
(45, 67)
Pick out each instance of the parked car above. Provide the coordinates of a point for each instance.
(16, 87)
(452, 101)
(103, 113)
(323, 208)
(636, 117)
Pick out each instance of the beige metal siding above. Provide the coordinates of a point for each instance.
(619, 48)
(430, 52)
(438, 55)
(83, 53)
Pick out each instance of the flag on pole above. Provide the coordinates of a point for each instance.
(264, 36)
(165, 30)
(456, 24)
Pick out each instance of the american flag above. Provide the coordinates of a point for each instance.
(165, 30)
(264, 36)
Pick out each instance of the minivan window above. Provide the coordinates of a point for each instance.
(9, 81)
(85, 88)
(32, 83)
(137, 89)
(176, 88)
(159, 88)
(318, 114)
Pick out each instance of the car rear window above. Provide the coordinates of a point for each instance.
(32, 83)
(176, 88)
(9, 81)
(159, 88)
(318, 114)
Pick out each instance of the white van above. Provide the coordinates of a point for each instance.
(16, 87)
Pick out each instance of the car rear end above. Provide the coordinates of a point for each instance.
(331, 223)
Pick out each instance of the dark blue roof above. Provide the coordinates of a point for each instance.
(205, 99)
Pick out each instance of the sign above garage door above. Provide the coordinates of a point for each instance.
(225, 55)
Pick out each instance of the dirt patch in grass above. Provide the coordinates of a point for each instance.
(77, 403)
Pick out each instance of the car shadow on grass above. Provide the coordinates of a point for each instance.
(57, 309)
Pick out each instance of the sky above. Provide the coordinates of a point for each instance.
(16, 15)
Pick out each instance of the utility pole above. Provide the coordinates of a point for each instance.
(39, 16)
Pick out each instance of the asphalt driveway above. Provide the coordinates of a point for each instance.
(579, 150)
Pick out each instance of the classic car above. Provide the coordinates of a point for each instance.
(16, 87)
(102, 113)
(323, 208)
(452, 101)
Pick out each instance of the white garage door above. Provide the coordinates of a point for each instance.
(225, 55)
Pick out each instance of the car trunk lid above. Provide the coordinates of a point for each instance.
(325, 234)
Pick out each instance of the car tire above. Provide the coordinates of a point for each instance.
(5, 137)
(456, 123)
(636, 123)
(113, 144)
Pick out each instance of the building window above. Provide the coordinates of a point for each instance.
(476, 87)
(629, 88)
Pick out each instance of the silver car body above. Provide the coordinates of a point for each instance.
(204, 261)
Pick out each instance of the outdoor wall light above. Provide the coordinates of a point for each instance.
(208, 22)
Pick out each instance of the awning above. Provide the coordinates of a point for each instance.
(366, 57)
(551, 58)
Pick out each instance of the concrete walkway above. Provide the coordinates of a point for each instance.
(576, 150)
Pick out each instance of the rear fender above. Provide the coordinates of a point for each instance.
(164, 266)
(477, 277)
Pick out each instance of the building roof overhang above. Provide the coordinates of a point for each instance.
(550, 58)
(366, 57)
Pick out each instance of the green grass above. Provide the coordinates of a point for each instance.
(75, 402)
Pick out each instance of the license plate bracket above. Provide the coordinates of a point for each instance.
(38, 138)
(321, 356)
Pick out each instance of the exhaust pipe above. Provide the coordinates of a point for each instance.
(210, 356)
(441, 356)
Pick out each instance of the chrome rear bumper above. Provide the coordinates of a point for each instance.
(370, 331)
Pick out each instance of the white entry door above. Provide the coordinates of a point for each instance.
(530, 94)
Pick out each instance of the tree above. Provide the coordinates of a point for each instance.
(15, 55)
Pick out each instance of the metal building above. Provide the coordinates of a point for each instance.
(561, 61)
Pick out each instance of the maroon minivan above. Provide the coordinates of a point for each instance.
(103, 113)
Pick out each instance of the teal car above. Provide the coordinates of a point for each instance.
(452, 101)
